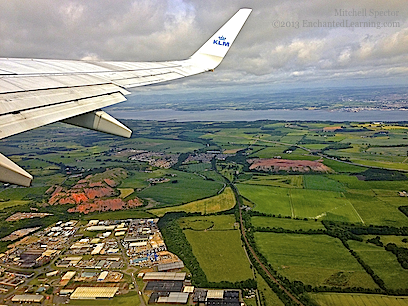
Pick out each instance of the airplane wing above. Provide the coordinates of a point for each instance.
(36, 92)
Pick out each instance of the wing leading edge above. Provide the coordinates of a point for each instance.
(36, 92)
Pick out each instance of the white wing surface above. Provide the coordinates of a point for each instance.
(36, 92)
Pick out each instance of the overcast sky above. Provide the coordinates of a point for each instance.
(283, 44)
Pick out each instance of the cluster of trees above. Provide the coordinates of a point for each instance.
(367, 230)
(404, 210)
(182, 157)
(372, 174)
(239, 158)
(337, 230)
(288, 231)
(346, 290)
(376, 241)
(306, 140)
(338, 146)
(400, 252)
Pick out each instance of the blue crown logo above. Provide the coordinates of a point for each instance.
(221, 41)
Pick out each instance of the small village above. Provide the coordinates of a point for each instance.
(99, 259)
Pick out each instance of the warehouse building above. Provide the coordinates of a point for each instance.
(226, 298)
(27, 298)
(102, 276)
(164, 276)
(174, 298)
(164, 286)
(217, 297)
(170, 266)
(92, 293)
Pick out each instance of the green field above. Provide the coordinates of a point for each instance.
(341, 299)
(383, 263)
(301, 203)
(270, 152)
(376, 211)
(385, 239)
(187, 188)
(289, 224)
(318, 204)
(19, 196)
(221, 202)
(269, 200)
(342, 167)
(285, 181)
(220, 254)
(215, 223)
(313, 259)
(321, 182)
(137, 180)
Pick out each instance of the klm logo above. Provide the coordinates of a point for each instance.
(221, 41)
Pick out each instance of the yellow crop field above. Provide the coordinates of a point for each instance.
(124, 192)
(221, 202)
(340, 299)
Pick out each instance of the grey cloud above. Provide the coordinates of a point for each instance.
(174, 29)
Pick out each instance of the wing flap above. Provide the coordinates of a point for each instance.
(29, 119)
(16, 102)
(27, 83)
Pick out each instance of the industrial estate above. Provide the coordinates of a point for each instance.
(87, 261)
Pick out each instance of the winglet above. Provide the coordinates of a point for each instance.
(214, 50)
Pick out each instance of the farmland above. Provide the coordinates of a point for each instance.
(301, 222)
(215, 223)
(216, 244)
(383, 263)
(270, 200)
(312, 259)
(184, 188)
(289, 224)
(220, 254)
(221, 202)
(333, 299)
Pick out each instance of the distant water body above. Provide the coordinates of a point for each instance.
(253, 115)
